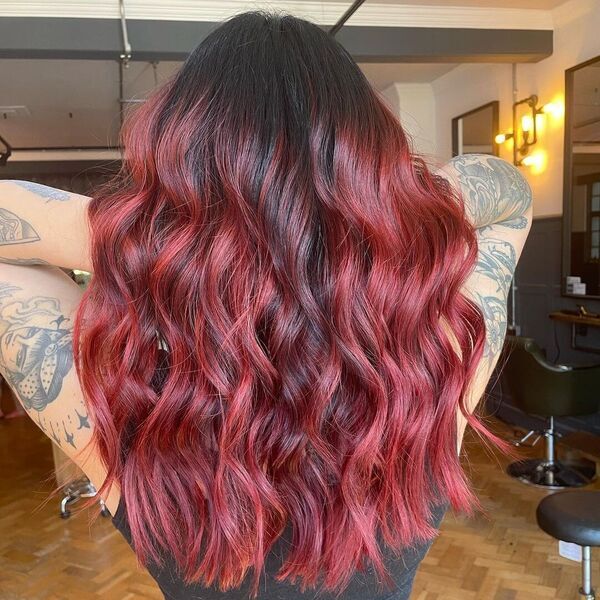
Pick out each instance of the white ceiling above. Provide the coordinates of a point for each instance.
(536, 4)
(490, 14)
(76, 102)
(381, 75)
(70, 102)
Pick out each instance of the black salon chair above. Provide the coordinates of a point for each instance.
(574, 516)
(541, 388)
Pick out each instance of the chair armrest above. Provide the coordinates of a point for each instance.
(585, 367)
(552, 367)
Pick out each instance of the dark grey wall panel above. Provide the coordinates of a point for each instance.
(438, 44)
(538, 291)
(43, 37)
(538, 279)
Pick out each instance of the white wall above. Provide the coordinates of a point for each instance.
(576, 39)
(414, 103)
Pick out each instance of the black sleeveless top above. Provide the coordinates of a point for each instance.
(364, 585)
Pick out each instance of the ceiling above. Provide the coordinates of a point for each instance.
(381, 75)
(76, 102)
(535, 4)
(70, 102)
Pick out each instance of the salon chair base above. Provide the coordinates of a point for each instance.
(554, 475)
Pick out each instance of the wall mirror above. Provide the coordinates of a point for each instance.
(474, 131)
(581, 208)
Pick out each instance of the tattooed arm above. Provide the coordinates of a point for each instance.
(37, 311)
(43, 225)
(498, 201)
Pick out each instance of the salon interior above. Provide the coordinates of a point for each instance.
(518, 79)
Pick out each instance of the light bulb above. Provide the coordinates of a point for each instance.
(540, 121)
(555, 109)
(537, 161)
(502, 137)
(526, 123)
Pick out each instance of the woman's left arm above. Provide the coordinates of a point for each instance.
(43, 225)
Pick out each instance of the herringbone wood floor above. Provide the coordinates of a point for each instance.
(43, 557)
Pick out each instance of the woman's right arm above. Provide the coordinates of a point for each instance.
(498, 202)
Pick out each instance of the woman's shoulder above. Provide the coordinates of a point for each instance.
(493, 189)
(484, 166)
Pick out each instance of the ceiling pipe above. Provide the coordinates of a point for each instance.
(340, 23)
(125, 57)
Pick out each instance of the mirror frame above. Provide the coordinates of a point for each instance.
(567, 180)
(495, 104)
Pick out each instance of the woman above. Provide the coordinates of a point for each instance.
(290, 322)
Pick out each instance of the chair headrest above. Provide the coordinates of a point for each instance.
(523, 342)
(528, 344)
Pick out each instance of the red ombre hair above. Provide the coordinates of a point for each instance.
(271, 225)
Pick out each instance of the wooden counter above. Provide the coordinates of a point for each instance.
(577, 321)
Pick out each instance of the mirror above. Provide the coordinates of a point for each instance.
(474, 131)
(581, 210)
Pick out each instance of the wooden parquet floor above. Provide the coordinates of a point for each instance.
(42, 557)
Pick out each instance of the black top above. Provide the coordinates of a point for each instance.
(363, 585)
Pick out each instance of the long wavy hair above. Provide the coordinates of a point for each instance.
(273, 231)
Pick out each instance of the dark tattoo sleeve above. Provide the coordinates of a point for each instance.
(36, 354)
(498, 198)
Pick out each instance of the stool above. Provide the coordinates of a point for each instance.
(574, 516)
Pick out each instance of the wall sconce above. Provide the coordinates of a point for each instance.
(527, 132)
(525, 129)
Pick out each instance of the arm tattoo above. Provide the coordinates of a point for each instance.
(497, 260)
(43, 191)
(36, 354)
(24, 261)
(496, 196)
(14, 230)
(494, 190)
